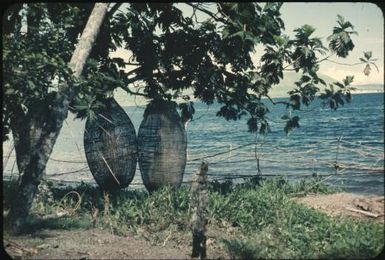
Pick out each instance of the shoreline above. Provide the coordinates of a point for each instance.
(138, 186)
(354, 92)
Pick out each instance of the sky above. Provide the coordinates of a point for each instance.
(368, 21)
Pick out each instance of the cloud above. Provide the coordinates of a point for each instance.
(375, 77)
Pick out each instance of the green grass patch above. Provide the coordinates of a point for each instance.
(271, 224)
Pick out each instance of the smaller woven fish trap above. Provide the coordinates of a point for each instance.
(162, 144)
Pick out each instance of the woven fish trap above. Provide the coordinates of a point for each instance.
(110, 146)
(162, 144)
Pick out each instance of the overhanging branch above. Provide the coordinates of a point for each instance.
(137, 93)
(345, 64)
(212, 15)
(277, 102)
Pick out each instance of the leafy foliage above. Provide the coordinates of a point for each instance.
(336, 98)
(304, 55)
(33, 67)
(171, 53)
(368, 60)
(340, 41)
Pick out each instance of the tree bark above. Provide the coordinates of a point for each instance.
(35, 138)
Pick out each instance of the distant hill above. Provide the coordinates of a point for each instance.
(364, 88)
(279, 90)
(288, 80)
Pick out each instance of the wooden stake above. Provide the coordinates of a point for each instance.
(199, 217)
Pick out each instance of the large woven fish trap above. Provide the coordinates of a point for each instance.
(162, 144)
(110, 145)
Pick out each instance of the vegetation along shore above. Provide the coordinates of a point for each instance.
(255, 219)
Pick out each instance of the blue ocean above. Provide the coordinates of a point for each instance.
(346, 146)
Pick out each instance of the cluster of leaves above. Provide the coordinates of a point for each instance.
(33, 68)
(304, 56)
(335, 98)
(212, 57)
(340, 41)
(368, 60)
(98, 83)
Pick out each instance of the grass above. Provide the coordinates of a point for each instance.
(267, 222)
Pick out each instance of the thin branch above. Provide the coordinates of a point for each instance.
(194, 15)
(285, 68)
(325, 59)
(375, 66)
(128, 90)
(345, 64)
(212, 15)
(277, 102)
(288, 65)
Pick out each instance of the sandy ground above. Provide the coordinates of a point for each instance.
(87, 244)
(101, 244)
(347, 204)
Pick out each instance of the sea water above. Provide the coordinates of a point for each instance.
(346, 145)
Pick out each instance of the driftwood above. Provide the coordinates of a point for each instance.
(366, 213)
(199, 217)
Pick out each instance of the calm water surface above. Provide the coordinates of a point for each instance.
(313, 148)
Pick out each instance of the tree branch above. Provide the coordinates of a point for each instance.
(277, 102)
(345, 64)
(114, 9)
(128, 90)
(87, 39)
(322, 60)
(212, 15)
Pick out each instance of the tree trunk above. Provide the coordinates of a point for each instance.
(35, 138)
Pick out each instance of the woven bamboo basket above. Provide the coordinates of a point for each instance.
(162, 144)
(110, 146)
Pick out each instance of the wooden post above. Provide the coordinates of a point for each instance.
(199, 216)
(336, 166)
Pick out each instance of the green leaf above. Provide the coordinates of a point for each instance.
(368, 55)
(31, 85)
(333, 104)
(9, 91)
(252, 124)
(339, 85)
(291, 124)
(348, 80)
(322, 81)
(295, 101)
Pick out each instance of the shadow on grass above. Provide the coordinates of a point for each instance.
(34, 224)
